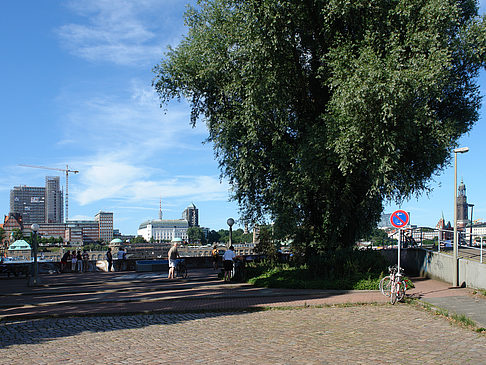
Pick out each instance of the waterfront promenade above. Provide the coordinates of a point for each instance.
(133, 317)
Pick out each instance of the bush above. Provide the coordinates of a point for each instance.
(340, 269)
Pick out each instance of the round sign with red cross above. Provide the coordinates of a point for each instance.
(399, 219)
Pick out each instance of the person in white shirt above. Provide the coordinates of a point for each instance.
(121, 255)
(228, 258)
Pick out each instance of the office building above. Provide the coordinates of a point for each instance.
(29, 203)
(191, 215)
(53, 200)
(38, 204)
(105, 225)
(164, 230)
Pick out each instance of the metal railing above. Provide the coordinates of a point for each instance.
(441, 240)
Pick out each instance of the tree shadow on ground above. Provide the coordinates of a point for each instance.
(74, 304)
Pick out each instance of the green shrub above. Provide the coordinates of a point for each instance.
(341, 269)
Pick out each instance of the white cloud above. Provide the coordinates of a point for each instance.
(136, 122)
(108, 178)
(128, 151)
(80, 217)
(124, 32)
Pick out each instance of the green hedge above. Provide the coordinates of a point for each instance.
(341, 269)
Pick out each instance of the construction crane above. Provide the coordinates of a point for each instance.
(66, 171)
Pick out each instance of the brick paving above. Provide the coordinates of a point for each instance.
(370, 334)
(144, 318)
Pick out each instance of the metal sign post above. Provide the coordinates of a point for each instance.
(399, 219)
(399, 246)
(481, 251)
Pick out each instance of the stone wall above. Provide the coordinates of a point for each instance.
(438, 265)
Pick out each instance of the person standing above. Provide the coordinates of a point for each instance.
(64, 261)
(109, 258)
(74, 260)
(121, 256)
(79, 262)
(173, 255)
(85, 260)
(228, 258)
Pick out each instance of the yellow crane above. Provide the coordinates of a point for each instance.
(66, 171)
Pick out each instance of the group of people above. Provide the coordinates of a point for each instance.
(228, 260)
(78, 261)
(120, 262)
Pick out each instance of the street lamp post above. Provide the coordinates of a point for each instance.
(455, 254)
(230, 223)
(34, 278)
(471, 227)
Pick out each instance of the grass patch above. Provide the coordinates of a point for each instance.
(458, 319)
(463, 319)
(343, 269)
(301, 278)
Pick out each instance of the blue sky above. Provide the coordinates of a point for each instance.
(76, 89)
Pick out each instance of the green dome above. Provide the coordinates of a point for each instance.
(177, 240)
(116, 240)
(19, 245)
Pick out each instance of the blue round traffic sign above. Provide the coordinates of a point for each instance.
(399, 219)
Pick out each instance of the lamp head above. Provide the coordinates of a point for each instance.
(34, 227)
(230, 221)
(461, 150)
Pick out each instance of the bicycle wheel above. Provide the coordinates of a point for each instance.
(401, 288)
(183, 272)
(385, 285)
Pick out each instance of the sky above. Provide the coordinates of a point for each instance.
(76, 90)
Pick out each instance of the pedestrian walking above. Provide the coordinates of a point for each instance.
(215, 256)
(109, 258)
(172, 257)
(228, 258)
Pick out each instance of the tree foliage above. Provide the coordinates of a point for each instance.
(319, 110)
(267, 245)
(195, 234)
(238, 236)
(379, 237)
(2, 234)
(213, 237)
(17, 234)
(138, 239)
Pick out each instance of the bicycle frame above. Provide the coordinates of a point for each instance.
(393, 285)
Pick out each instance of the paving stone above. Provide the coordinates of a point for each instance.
(358, 335)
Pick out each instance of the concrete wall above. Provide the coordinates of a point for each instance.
(438, 265)
(472, 273)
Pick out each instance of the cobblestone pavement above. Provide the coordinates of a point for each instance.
(369, 334)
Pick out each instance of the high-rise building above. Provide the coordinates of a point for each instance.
(38, 204)
(105, 225)
(29, 202)
(191, 215)
(53, 200)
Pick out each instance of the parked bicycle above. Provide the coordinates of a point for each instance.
(393, 285)
(181, 269)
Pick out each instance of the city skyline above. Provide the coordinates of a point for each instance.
(77, 91)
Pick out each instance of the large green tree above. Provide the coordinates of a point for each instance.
(319, 110)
